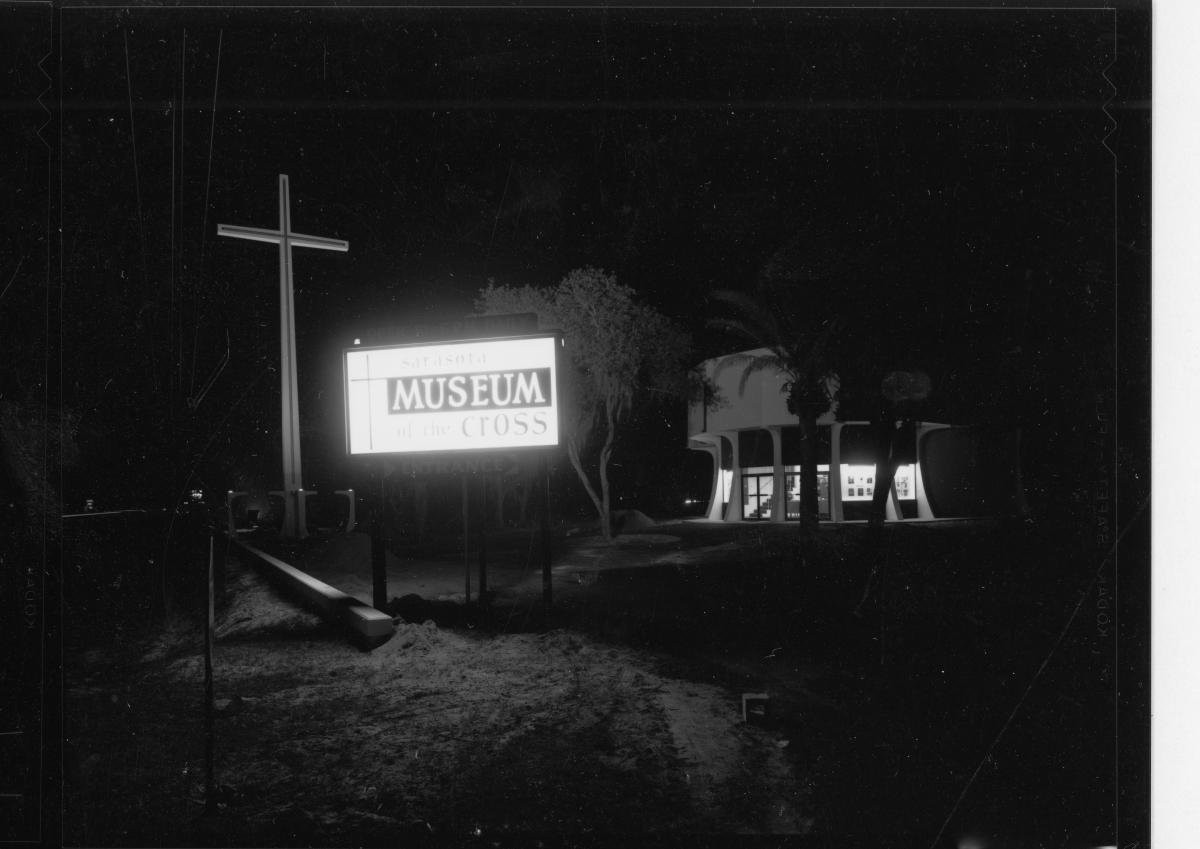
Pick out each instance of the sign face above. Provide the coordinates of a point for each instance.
(483, 394)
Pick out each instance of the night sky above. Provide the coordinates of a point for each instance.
(966, 190)
(962, 183)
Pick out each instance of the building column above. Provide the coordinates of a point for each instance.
(924, 511)
(835, 472)
(716, 498)
(735, 491)
(779, 493)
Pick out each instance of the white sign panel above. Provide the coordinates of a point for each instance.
(452, 396)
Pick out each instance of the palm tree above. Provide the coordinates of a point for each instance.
(900, 397)
(801, 355)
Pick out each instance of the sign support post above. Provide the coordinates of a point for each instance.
(483, 539)
(379, 552)
(547, 591)
(466, 514)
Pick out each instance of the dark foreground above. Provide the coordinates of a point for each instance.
(968, 698)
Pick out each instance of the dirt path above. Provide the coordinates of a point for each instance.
(435, 733)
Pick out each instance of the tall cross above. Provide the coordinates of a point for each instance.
(293, 510)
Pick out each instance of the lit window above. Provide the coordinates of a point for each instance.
(858, 482)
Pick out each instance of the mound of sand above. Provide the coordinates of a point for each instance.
(631, 520)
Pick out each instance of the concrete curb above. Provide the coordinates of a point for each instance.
(370, 627)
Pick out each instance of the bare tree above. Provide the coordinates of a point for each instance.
(618, 350)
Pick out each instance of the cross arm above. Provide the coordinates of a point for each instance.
(255, 234)
(299, 240)
(296, 240)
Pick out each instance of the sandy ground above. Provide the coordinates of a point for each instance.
(436, 733)
(958, 705)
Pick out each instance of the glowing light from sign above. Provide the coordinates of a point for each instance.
(452, 396)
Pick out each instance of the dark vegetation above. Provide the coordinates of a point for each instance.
(893, 703)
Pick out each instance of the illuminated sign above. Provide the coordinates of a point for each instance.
(452, 396)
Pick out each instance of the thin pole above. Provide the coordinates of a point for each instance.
(547, 594)
(379, 553)
(482, 540)
(210, 798)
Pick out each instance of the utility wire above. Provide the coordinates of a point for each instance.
(1042, 668)
(171, 276)
(179, 259)
(195, 400)
(137, 184)
(211, 134)
(500, 208)
(14, 277)
(204, 225)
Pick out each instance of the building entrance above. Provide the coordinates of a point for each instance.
(757, 491)
(792, 476)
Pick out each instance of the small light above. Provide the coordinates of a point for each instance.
(357, 341)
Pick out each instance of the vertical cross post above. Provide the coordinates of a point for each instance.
(294, 523)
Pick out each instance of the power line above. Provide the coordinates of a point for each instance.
(211, 134)
(137, 182)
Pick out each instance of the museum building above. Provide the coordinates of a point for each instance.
(754, 443)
